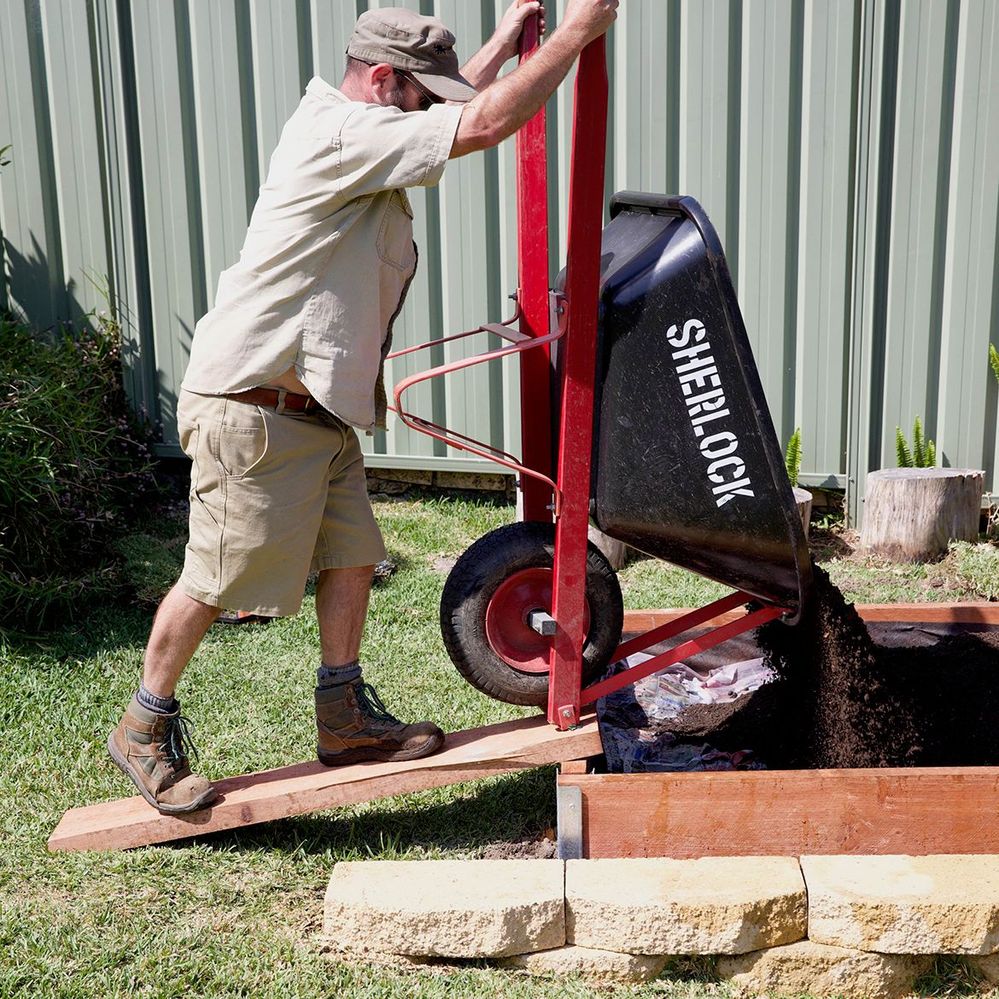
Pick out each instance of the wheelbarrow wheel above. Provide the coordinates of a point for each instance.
(489, 596)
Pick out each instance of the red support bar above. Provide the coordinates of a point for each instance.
(681, 652)
(532, 255)
(586, 196)
(641, 642)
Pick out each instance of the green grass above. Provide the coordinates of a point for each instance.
(238, 914)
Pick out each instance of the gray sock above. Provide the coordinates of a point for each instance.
(161, 705)
(333, 676)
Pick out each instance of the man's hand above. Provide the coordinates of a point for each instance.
(502, 107)
(590, 17)
(508, 31)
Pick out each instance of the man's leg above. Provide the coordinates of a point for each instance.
(342, 606)
(352, 722)
(150, 743)
(180, 624)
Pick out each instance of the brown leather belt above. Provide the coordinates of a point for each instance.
(277, 399)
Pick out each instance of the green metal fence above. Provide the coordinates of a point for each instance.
(847, 151)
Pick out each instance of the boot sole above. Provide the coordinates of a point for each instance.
(371, 754)
(205, 799)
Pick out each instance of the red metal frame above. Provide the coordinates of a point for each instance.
(582, 290)
(532, 299)
(575, 322)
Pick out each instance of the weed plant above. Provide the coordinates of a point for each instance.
(922, 454)
(75, 467)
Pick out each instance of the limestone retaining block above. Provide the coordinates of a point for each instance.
(712, 905)
(816, 969)
(447, 908)
(596, 966)
(904, 905)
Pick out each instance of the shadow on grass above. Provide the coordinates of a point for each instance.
(102, 628)
(515, 808)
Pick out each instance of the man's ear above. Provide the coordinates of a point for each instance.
(381, 78)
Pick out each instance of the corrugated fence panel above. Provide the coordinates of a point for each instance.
(823, 253)
(969, 312)
(768, 193)
(923, 116)
(847, 152)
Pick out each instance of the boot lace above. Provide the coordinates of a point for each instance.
(371, 704)
(177, 744)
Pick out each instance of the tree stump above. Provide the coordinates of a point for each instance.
(803, 500)
(616, 552)
(910, 514)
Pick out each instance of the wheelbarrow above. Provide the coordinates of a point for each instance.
(642, 410)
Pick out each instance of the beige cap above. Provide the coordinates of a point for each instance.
(412, 42)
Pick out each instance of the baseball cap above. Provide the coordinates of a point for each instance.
(412, 42)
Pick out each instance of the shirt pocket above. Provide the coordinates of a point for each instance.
(395, 233)
(240, 439)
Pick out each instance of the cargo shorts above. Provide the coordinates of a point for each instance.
(273, 496)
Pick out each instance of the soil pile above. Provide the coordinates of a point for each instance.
(923, 695)
(842, 704)
(845, 701)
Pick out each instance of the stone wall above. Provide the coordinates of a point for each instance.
(843, 926)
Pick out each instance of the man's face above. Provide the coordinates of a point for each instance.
(406, 93)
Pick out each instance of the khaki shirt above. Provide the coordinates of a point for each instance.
(328, 256)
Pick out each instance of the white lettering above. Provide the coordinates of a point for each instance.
(732, 461)
(704, 395)
(691, 327)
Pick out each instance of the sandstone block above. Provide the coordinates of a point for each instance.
(597, 966)
(819, 970)
(712, 905)
(447, 908)
(904, 905)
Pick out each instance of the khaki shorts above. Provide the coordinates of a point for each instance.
(272, 496)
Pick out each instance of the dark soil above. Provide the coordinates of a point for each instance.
(841, 700)
(919, 695)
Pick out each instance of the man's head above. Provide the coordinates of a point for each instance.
(400, 58)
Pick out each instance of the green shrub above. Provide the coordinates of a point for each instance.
(922, 454)
(994, 360)
(75, 465)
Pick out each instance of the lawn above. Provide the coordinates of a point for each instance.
(238, 914)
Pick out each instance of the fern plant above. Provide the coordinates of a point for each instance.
(922, 454)
(792, 456)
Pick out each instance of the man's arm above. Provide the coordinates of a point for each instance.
(485, 65)
(504, 106)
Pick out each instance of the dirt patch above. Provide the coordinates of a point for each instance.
(532, 849)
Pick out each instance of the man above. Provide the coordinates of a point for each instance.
(289, 362)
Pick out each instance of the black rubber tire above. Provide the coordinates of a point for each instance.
(476, 577)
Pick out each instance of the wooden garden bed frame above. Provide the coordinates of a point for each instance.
(914, 811)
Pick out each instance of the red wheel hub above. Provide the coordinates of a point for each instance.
(508, 627)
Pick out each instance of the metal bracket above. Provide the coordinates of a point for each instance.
(542, 622)
(569, 808)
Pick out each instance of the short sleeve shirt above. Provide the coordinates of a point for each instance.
(328, 255)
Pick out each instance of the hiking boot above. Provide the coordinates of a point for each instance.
(354, 726)
(152, 747)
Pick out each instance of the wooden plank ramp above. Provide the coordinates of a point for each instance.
(307, 787)
(913, 811)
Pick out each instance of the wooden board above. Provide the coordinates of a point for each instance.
(638, 621)
(789, 813)
(306, 787)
